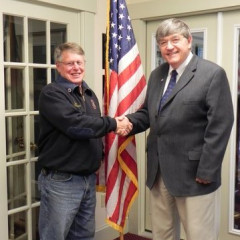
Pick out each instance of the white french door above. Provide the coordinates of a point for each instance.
(231, 167)
(29, 34)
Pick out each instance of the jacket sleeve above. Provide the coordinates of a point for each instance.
(57, 109)
(218, 129)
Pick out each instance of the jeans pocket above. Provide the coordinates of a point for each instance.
(60, 177)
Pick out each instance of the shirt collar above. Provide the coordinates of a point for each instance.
(182, 67)
(71, 86)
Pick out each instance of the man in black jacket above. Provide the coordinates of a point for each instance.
(71, 149)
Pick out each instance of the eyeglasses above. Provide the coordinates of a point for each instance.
(71, 64)
(173, 41)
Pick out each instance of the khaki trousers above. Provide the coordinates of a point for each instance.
(199, 215)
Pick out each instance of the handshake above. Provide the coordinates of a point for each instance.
(124, 126)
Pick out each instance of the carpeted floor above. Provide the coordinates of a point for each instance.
(130, 236)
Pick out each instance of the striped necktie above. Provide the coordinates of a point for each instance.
(169, 89)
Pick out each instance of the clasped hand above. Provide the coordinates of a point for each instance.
(124, 126)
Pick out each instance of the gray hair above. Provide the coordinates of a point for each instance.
(68, 46)
(172, 26)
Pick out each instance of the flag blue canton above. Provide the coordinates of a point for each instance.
(121, 33)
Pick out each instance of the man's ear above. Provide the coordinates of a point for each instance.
(190, 42)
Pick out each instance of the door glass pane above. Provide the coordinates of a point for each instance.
(34, 135)
(35, 214)
(14, 88)
(237, 176)
(35, 170)
(197, 44)
(38, 79)
(17, 226)
(54, 74)
(15, 138)
(16, 179)
(13, 38)
(37, 41)
(58, 36)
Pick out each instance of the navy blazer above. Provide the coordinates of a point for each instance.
(188, 138)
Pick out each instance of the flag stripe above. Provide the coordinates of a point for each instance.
(129, 71)
(112, 181)
(115, 215)
(132, 190)
(124, 104)
(128, 58)
(113, 94)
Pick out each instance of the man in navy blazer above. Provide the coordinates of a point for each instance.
(188, 137)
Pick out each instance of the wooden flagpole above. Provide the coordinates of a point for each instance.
(121, 236)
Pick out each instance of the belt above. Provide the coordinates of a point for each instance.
(46, 171)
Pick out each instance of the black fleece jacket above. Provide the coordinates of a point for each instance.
(71, 128)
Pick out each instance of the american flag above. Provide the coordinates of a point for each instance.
(125, 89)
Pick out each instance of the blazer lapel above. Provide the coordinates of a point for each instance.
(187, 76)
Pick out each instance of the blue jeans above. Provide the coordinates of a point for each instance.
(67, 209)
